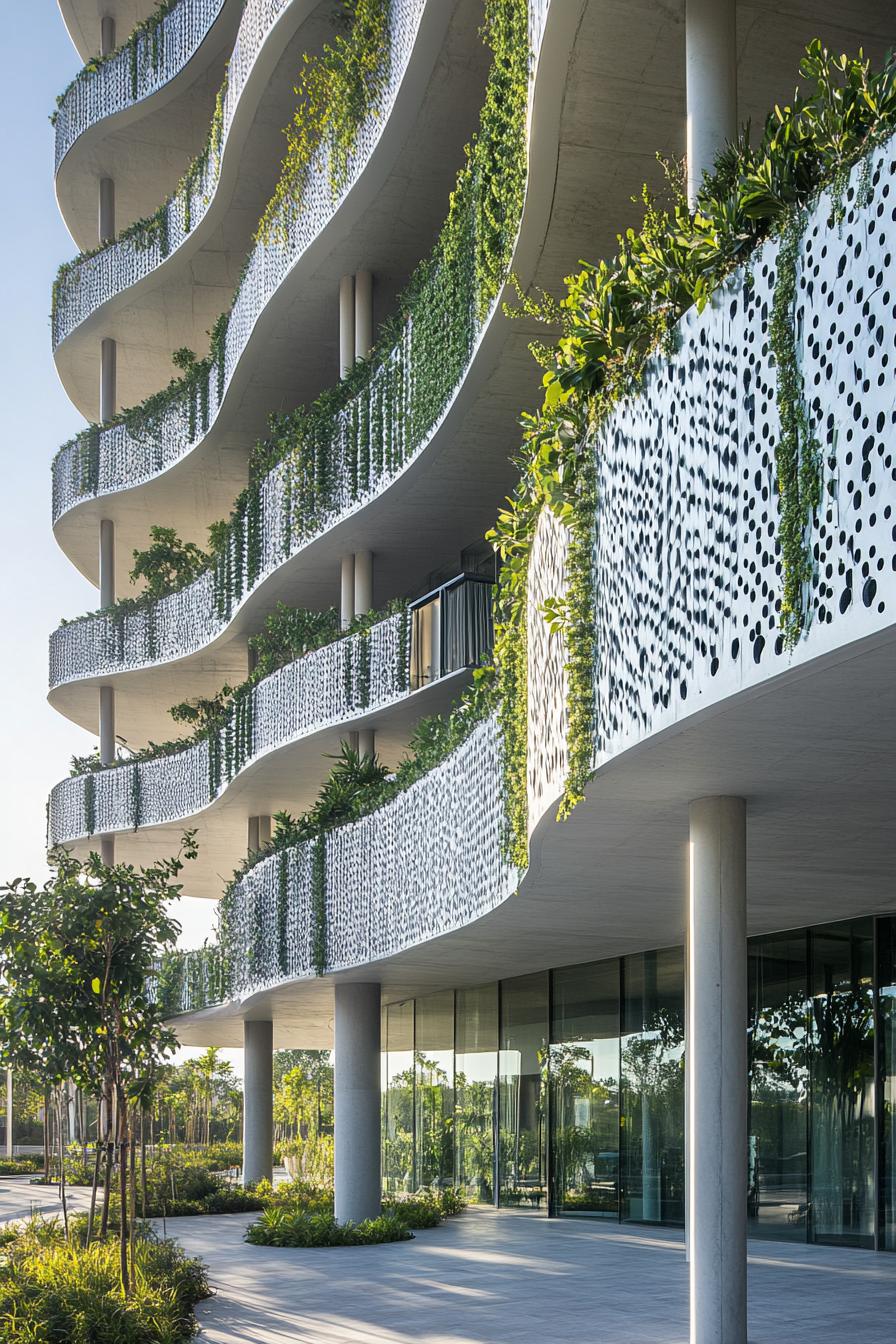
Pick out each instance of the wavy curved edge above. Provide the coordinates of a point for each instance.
(365, 673)
(719, 484)
(184, 223)
(546, 21)
(76, 114)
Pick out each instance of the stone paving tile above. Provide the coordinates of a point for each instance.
(487, 1278)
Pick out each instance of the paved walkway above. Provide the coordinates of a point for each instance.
(492, 1278)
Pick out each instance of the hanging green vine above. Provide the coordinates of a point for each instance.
(319, 904)
(797, 452)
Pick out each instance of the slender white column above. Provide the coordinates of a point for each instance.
(346, 324)
(107, 725)
(107, 562)
(717, 1071)
(363, 582)
(366, 741)
(356, 1101)
(107, 380)
(107, 35)
(711, 79)
(106, 220)
(9, 1144)
(258, 1102)
(347, 591)
(363, 314)
(259, 833)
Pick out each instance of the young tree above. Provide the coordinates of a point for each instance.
(77, 960)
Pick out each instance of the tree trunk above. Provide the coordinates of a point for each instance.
(96, 1174)
(132, 1193)
(143, 1155)
(109, 1150)
(123, 1190)
(62, 1162)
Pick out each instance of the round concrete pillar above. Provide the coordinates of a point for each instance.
(346, 324)
(363, 582)
(106, 220)
(363, 314)
(107, 725)
(366, 741)
(107, 562)
(346, 591)
(258, 1102)
(107, 380)
(107, 35)
(716, 1046)
(356, 1101)
(711, 81)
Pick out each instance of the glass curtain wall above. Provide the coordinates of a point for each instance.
(522, 1068)
(434, 1089)
(398, 1102)
(579, 1075)
(778, 1170)
(841, 1083)
(652, 1066)
(475, 1083)
(886, 981)
(584, 1089)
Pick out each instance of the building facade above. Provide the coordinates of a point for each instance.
(315, 346)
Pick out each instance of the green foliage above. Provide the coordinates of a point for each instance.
(145, 40)
(54, 1290)
(19, 1166)
(619, 314)
(289, 633)
(168, 563)
(337, 91)
(303, 1216)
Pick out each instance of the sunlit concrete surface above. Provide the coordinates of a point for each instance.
(515, 1278)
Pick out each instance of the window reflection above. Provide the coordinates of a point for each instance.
(777, 1176)
(584, 1073)
(434, 1090)
(398, 1106)
(652, 1060)
(521, 1091)
(886, 979)
(842, 1083)
(476, 1068)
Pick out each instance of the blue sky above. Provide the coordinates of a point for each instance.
(38, 584)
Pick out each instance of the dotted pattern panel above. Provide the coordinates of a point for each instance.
(117, 84)
(688, 564)
(547, 757)
(324, 688)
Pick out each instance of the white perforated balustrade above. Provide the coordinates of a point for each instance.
(326, 687)
(134, 72)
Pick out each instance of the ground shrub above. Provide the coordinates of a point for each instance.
(51, 1290)
(297, 1214)
(20, 1166)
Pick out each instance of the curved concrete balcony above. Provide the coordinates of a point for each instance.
(275, 748)
(83, 20)
(695, 692)
(416, 466)
(187, 639)
(279, 294)
(139, 115)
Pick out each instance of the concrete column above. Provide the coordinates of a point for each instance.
(346, 324)
(363, 582)
(107, 35)
(366, 741)
(711, 80)
(363, 314)
(106, 220)
(107, 380)
(356, 1101)
(258, 1102)
(717, 1074)
(9, 1144)
(347, 591)
(107, 850)
(259, 833)
(107, 562)
(107, 725)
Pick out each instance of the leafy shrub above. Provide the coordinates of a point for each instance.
(283, 1226)
(52, 1290)
(20, 1166)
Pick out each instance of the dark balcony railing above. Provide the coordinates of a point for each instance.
(451, 628)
